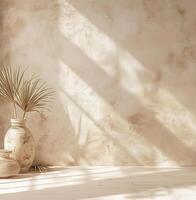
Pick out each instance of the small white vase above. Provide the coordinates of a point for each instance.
(19, 140)
(8, 166)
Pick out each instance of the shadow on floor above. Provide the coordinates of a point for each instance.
(97, 182)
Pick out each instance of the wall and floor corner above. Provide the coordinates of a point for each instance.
(124, 73)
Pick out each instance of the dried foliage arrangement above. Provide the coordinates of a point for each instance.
(28, 94)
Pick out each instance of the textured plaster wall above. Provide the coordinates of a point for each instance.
(125, 75)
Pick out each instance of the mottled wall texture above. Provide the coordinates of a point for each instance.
(125, 75)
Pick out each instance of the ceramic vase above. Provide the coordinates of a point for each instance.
(8, 166)
(19, 140)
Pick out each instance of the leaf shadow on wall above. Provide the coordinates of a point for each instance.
(153, 131)
(145, 48)
(82, 149)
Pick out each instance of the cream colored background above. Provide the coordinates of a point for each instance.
(125, 75)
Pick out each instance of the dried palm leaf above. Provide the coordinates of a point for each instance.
(10, 82)
(33, 95)
(28, 94)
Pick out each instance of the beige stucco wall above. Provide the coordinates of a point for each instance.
(125, 75)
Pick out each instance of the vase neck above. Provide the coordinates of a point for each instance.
(17, 122)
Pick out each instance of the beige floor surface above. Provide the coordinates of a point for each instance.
(102, 183)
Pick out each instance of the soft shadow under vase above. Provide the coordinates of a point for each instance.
(20, 141)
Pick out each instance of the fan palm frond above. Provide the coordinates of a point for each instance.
(10, 82)
(28, 94)
(33, 95)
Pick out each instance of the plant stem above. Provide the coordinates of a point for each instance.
(15, 113)
(24, 115)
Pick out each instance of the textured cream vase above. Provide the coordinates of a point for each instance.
(8, 166)
(19, 140)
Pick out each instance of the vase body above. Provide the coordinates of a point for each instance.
(8, 166)
(19, 140)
